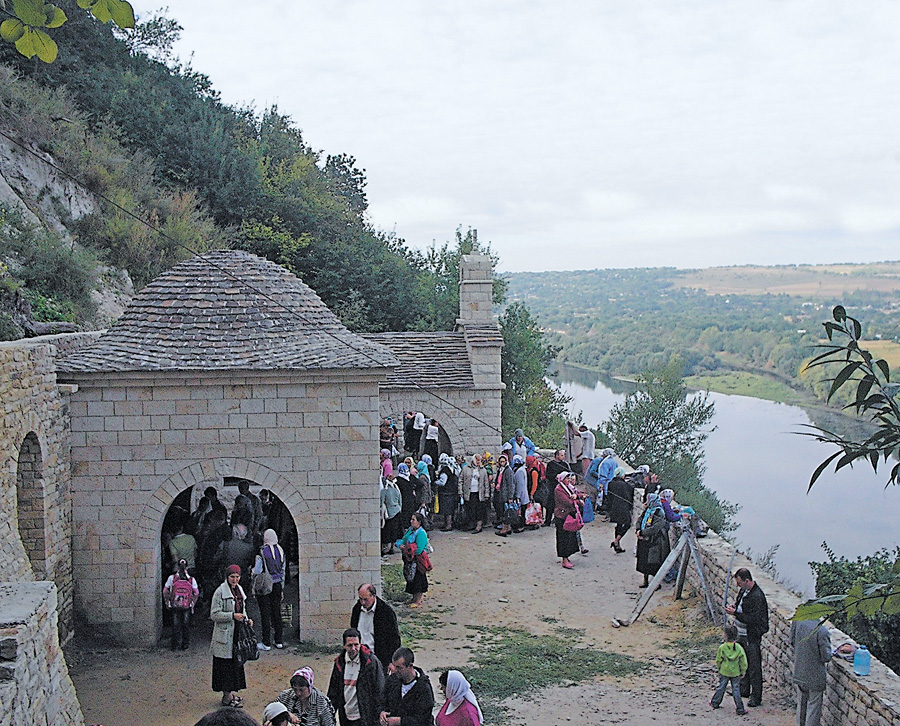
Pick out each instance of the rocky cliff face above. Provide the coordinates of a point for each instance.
(46, 197)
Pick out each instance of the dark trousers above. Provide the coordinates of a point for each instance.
(752, 682)
(346, 721)
(499, 508)
(181, 628)
(270, 612)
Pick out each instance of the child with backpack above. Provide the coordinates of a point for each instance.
(731, 662)
(181, 594)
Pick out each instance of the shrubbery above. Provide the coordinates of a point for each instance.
(880, 633)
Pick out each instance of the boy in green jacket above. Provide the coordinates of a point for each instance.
(731, 661)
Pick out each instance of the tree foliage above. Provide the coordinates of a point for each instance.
(874, 398)
(847, 596)
(659, 424)
(529, 402)
(860, 593)
(30, 19)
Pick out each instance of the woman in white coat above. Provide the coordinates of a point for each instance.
(228, 607)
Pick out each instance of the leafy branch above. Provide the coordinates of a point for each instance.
(861, 599)
(874, 398)
(29, 19)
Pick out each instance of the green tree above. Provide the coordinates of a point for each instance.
(659, 424)
(440, 279)
(529, 402)
(874, 591)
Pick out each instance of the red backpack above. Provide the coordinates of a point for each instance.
(182, 593)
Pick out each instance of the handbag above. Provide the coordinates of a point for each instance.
(511, 515)
(409, 570)
(588, 514)
(245, 643)
(573, 524)
(534, 514)
(262, 581)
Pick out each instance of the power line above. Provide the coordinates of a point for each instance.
(239, 280)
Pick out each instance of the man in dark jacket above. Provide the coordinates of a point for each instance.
(377, 624)
(412, 708)
(752, 614)
(356, 688)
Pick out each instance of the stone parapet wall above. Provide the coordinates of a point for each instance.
(34, 465)
(35, 687)
(872, 700)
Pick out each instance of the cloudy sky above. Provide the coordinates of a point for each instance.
(589, 133)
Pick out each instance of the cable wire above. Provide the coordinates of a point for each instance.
(239, 280)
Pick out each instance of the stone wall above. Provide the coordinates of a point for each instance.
(872, 700)
(139, 440)
(35, 687)
(473, 429)
(34, 473)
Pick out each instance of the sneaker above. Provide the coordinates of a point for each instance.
(280, 646)
(262, 646)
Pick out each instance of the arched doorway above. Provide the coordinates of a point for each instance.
(221, 536)
(30, 503)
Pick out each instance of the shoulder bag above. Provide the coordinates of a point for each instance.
(262, 581)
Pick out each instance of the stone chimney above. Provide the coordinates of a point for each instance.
(476, 321)
(475, 285)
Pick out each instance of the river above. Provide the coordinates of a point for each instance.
(755, 458)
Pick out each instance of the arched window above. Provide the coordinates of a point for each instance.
(30, 503)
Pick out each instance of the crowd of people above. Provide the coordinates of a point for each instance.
(374, 680)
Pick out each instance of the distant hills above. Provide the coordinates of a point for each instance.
(754, 320)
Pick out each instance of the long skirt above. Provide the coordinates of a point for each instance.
(476, 508)
(566, 542)
(228, 674)
(431, 448)
(447, 501)
(419, 583)
(392, 529)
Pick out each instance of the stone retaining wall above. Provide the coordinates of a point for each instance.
(872, 700)
(34, 684)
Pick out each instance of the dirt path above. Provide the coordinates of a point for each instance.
(480, 581)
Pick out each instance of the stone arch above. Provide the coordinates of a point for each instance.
(30, 503)
(147, 544)
(449, 431)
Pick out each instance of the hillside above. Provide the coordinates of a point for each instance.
(136, 136)
(756, 321)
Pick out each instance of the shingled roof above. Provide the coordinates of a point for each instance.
(430, 360)
(227, 310)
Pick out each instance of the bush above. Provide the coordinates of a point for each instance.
(879, 632)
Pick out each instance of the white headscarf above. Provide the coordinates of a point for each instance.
(269, 537)
(458, 690)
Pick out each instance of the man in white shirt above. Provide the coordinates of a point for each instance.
(356, 689)
(377, 624)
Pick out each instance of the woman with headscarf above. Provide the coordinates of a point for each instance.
(461, 707)
(568, 502)
(391, 504)
(620, 502)
(406, 482)
(666, 497)
(304, 701)
(387, 466)
(270, 605)
(448, 490)
(424, 491)
(520, 477)
(653, 539)
(432, 437)
(228, 608)
(413, 545)
(505, 495)
(475, 489)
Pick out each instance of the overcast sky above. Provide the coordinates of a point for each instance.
(595, 133)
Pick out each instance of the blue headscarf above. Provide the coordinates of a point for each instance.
(422, 468)
(653, 505)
